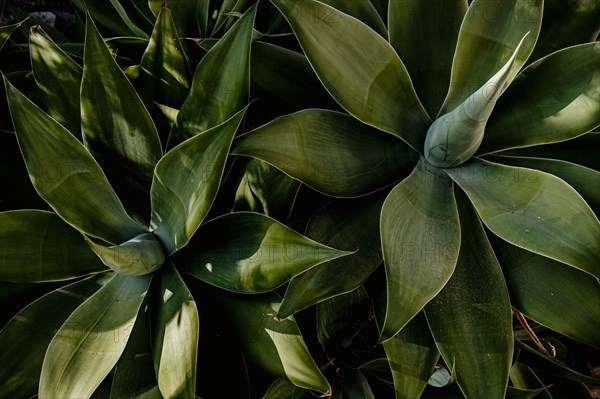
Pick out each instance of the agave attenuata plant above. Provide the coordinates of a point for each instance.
(473, 230)
(123, 315)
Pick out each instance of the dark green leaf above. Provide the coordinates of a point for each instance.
(5, 32)
(110, 16)
(340, 318)
(362, 10)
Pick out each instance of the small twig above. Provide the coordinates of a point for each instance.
(533, 336)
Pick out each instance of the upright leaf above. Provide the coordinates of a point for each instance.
(186, 181)
(110, 16)
(6, 31)
(471, 319)
(359, 68)
(64, 173)
(533, 210)
(362, 10)
(420, 236)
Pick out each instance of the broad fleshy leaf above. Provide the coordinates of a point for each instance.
(553, 294)
(533, 210)
(59, 78)
(362, 10)
(348, 224)
(276, 346)
(412, 355)
(424, 34)
(175, 337)
(329, 151)
(84, 350)
(186, 181)
(359, 68)
(27, 335)
(420, 236)
(490, 33)
(64, 173)
(533, 112)
(250, 252)
(455, 137)
(141, 255)
(471, 319)
(221, 83)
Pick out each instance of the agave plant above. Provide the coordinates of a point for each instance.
(447, 113)
(122, 322)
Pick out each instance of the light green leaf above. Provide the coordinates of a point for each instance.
(221, 83)
(533, 112)
(412, 355)
(489, 35)
(363, 10)
(471, 319)
(59, 78)
(117, 128)
(455, 137)
(347, 224)
(302, 145)
(27, 335)
(175, 338)
(64, 173)
(186, 181)
(553, 294)
(420, 236)
(276, 346)
(424, 34)
(250, 252)
(533, 210)
(6, 31)
(88, 345)
(359, 68)
(141, 255)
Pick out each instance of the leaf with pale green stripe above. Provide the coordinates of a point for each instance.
(363, 10)
(533, 112)
(471, 319)
(553, 294)
(186, 181)
(489, 35)
(420, 237)
(175, 337)
(250, 252)
(221, 83)
(39, 246)
(64, 173)
(25, 338)
(275, 346)
(359, 68)
(533, 210)
(412, 355)
(84, 350)
(59, 78)
(302, 144)
(424, 34)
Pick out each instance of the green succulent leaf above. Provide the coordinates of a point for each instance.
(553, 294)
(64, 173)
(276, 346)
(424, 34)
(359, 68)
(6, 32)
(522, 376)
(185, 15)
(59, 78)
(533, 210)
(533, 112)
(84, 350)
(141, 255)
(110, 16)
(27, 21)
(348, 224)
(490, 33)
(339, 318)
(362, 10)
(186, 181)
(520, 393)
(420, 236)
(355, 385)
(27, 335)
(455, 137)
(117, 128)
(302, 144)
(250, 252)
(412, 356)
(470, 319)
(284, 389)
(175, 337)
(221, 83)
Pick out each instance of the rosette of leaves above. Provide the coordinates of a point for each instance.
(128, 219)
(462, 117)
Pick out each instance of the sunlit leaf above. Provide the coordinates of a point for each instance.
(6, 31)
